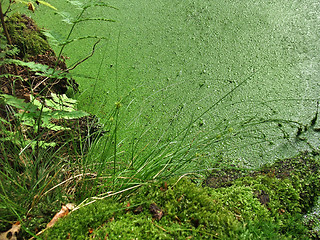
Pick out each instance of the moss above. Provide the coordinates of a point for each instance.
(26, 36)
(301, 172)
(256, 206)
(203, 213)
(78, 224)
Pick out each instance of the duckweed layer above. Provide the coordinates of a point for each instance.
(259, 206)
(183, 56)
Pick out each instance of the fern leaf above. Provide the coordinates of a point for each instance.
(69, 115)
(18, 103)
(33, 144)
(55, 127)
(99, 4)
(77, 4)
(32, 65)
(53, 37)
(42, 70)
(66, 17)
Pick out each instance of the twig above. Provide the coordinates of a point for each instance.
(109, 195)
(69, 179)
(160, 227)
(38, 84)
(86, 58)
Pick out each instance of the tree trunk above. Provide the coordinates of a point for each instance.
(5, 30)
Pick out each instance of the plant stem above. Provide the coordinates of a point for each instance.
(70, 32)
(115, 146)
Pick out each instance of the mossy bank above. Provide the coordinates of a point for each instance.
(27, 36)
(259, 205)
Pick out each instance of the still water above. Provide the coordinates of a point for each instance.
(243, 74)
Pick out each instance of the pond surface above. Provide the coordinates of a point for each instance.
(243, 74)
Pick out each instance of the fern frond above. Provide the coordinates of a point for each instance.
(77, 4)
(66, 17)
(54, 37)
(8, 75)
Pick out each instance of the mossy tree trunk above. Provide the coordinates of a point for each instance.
(6, 33)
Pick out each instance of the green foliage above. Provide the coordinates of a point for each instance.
(312, 220)
(189, 211)
(283, 196)
(32, 164)
(39, 114)
(31, 4)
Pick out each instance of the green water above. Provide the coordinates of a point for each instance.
(181, 57)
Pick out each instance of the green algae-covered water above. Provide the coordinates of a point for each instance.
(242, 74)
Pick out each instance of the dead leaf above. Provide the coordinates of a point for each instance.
(63, 212)
(11, 234)
(157, 213)
(31, 7)
(164, 188)
(138, 210)
(180, 198)
(128, 207)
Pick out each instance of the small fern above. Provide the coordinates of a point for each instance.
(39, 114)
(42, 70)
